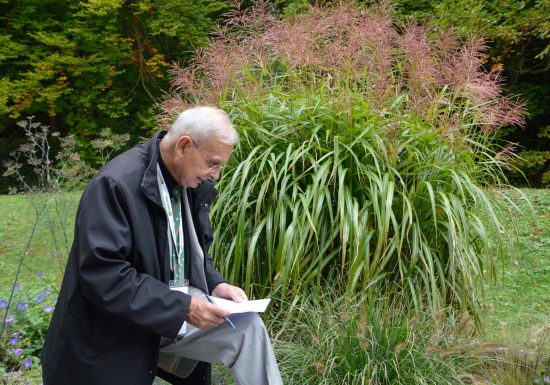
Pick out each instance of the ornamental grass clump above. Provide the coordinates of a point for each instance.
(367, 155)
(334, 341)
(327, 339)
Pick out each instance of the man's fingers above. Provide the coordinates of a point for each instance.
(220, 312)
(233, 293)
(203, 314)
(239, 295)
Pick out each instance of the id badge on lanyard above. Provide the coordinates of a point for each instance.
(177, 267)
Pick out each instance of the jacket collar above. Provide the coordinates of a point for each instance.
(149, 184)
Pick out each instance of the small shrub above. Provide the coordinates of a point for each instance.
(46, 162)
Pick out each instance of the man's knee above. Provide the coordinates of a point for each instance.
(249, 322)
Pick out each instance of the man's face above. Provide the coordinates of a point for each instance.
(195, 163)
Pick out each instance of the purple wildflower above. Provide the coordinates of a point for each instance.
(3, 303)
(14, 338)
(27, 363)
(9, 319)
(43, 295)
(16, 287)
(40, 274)
(22, 305)
(48, 308)
(18, 351)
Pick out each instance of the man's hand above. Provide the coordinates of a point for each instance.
(204, 315)
(230, 292)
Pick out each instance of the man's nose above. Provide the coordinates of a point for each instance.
(214, 174)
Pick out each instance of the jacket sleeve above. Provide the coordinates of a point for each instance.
(106, 267)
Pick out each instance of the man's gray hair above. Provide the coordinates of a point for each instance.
(202, 123)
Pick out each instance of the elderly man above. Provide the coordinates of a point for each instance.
(144, 221)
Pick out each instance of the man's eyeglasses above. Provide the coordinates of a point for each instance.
(213, 166)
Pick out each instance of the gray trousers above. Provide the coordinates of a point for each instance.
(245, 350)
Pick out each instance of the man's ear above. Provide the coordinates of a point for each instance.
(182, 144)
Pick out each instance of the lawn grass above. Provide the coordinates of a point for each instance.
(518, 304)
(44, 254)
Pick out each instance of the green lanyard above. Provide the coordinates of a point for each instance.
(173, 212)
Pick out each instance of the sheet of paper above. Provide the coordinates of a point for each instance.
(257, 306)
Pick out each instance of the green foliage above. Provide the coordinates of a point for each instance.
(67, 52)
(171, 21)
(532, 167)
(293, 7)
(353, 197)
(87, 66)
(509, 24)
(334, 341)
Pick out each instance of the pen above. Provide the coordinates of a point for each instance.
(225, 318)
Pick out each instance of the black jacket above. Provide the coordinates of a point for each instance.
(114, 303)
